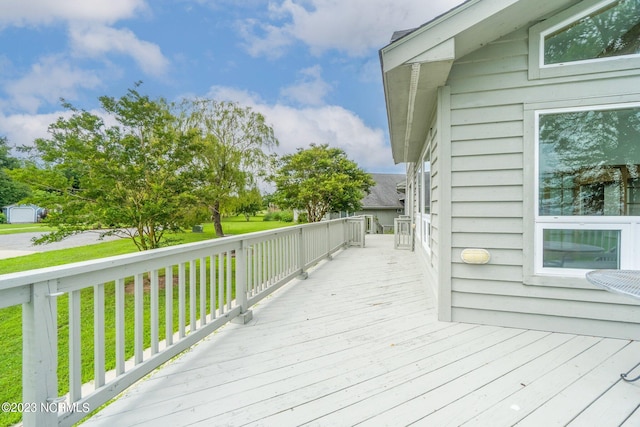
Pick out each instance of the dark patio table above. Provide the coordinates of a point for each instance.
(626, 282)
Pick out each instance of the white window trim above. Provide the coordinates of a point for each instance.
(628, 225)
(425, 218)
(538, 69)
(425, 221)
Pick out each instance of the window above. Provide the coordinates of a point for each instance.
(426, 203)
(426, 187)
(593, 36)
(611, 31)
(420, 194)
(588, 189)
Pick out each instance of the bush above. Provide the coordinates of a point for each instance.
(269, 216)
(3, 219)
(302, 218)
(286, 216)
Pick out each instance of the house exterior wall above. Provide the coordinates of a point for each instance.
(428, 242)
(384, 217)
(485, 167)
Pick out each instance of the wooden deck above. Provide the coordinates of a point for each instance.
(358, 343)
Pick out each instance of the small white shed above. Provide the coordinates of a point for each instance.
(17, 214)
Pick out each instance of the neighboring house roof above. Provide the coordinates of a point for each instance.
(417, 62)
(384, 194)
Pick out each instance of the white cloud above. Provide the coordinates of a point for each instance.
(38, 12)
(90, 31)
(23, 129)
(354, 27)
(96, 41)
(270, 41)
(330, 124)
(311, 89)
(47, 81)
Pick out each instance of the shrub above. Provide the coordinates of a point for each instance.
(268, 216)
(3, 219)
(286, 216)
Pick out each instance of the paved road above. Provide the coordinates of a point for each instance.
(13, 245)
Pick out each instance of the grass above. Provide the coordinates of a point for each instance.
(11, 318)
(24, 228)
(231, 226)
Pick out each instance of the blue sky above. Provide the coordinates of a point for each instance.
(310, 66)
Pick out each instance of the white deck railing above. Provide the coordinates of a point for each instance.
(403, 232)
(214, 282)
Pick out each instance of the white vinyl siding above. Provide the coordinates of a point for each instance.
(493, 101)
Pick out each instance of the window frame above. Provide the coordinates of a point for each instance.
(425, 217)
(539, 70)
(628, 225)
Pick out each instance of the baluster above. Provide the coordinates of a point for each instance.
(259, 271)
(221, 283)
(75, 347)
(154, 318)
(212, 285)
(192, 296)
(181, 300)
(229, 296)
(168, 302)
(203, 291)
(250, 269)
(138, 322)
(98, 334)
(120, 322)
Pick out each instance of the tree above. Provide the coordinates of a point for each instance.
(319, 180)
(11, 191)
(233, 140)
(133, 177)
(249, 203)
(7, 161)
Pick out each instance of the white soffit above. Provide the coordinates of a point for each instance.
(445, 51)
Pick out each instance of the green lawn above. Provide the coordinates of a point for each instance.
(23, 228)
(10, 318)
(231, 226)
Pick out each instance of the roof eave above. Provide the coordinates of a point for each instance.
(434, 47)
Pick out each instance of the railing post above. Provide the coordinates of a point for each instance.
(245, 315)
(345, 233)
(40, 355)
(328, 237)
(301, 255)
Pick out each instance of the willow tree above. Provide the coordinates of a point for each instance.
(133, 177)
(319, 180)
(234, 142)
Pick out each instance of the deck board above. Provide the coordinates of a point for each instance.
(358, 342)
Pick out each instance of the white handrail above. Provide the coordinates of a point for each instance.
(215, 281)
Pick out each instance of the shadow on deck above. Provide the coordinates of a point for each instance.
(359, 342)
